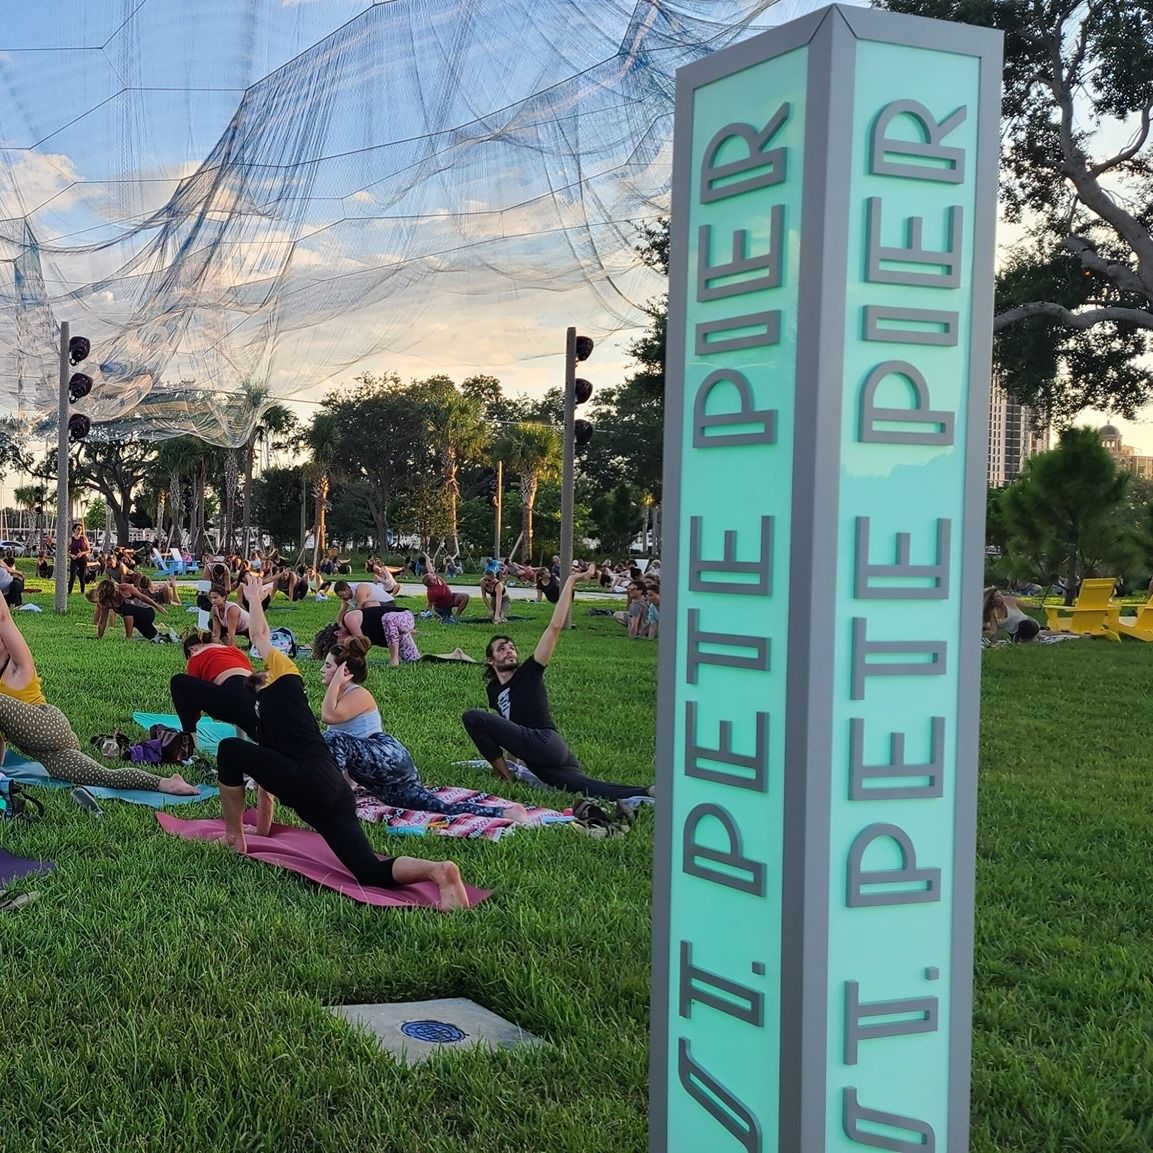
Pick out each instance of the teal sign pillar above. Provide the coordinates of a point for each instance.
(830, 318)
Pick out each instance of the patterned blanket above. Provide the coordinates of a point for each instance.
(414, 822)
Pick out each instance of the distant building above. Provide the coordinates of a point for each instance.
(1015, 433)
(1125, 455)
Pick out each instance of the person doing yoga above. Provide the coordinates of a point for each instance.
(291, 761)
(524, 726)
(42, 732)
(228, 618)
(372, 758)
(215, 684)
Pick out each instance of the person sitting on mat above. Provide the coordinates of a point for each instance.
(215, 683)
(42, 732)
(228, 619)
(292, 762)
(524, 726)
(372, 758)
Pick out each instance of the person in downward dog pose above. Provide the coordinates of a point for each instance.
(42, 732)
(292, 762)
(522, 724)
(372, 758)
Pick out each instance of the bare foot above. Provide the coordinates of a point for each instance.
(177, 786)
(453, 894)
(236, 841)
(518, 814)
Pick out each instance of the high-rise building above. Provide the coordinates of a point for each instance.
(1015, 433)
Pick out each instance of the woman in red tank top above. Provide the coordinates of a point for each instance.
(216, 684)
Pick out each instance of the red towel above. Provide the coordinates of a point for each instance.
(304, 851)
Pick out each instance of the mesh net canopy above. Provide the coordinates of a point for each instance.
(237, 200)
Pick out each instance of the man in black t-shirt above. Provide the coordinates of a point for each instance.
(522, 724)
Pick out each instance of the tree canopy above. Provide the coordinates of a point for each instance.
(1075, 294)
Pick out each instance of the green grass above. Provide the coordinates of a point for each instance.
(166, 995)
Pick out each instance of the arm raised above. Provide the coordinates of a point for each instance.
(542, 654)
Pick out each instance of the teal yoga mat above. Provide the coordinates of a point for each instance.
(28, 772)
(209, 733)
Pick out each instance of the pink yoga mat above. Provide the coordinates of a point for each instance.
(303, 851)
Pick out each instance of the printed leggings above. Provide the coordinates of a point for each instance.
(543, 751)
(332, 816)
(42, 733)
(383, 766)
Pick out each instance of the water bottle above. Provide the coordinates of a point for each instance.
(86, 800)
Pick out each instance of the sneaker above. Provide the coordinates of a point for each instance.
(160, 639)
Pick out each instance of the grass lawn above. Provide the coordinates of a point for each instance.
(167, 995)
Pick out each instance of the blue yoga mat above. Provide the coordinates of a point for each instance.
(28, 772)
(209, 733)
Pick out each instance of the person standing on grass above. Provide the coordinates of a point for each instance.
(42, 732)
(522, 725)
(78, 553)
(291, 761)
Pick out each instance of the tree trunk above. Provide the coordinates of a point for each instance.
(175, 508)
(231, 483)
(321, 517)
(249, 453)
(1071, 574)
(303, 510)
(528, 486)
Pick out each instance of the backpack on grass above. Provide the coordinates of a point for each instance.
(16, 804)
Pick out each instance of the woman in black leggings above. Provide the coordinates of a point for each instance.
(134, 607)
(292, 762)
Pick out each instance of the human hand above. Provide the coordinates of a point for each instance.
(341, 676)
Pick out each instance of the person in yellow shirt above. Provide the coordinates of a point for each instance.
(42, 732)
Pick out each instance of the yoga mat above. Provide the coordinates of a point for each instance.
(303, 851)
(33, 773)
(410, 822)
(209, 733)
(12, 867)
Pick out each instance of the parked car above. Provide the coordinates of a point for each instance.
(14, 546)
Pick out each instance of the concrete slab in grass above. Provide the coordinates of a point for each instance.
(414, 1030)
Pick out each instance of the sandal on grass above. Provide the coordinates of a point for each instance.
(9, 902)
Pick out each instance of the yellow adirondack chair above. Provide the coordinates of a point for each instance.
(1140, 627)
(1093, 614)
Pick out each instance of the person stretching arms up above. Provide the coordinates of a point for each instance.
(292, 762)
(524, 726)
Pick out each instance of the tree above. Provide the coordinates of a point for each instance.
(617, 517)
(276, 503)
(114, 469)
(96, 516)
(323, 440)
(1060, 513)
(458, 433)
(1075, 298)
(383, 440)
(630, 418)
(533, 453)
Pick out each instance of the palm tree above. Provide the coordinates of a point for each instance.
(176, 459)
(533, 452)
(323, 441)
(459, 432)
